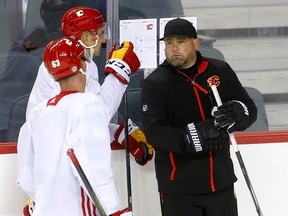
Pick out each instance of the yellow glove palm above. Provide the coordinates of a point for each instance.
(139, 136)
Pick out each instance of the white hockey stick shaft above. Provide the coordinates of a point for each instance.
(238, 155)
(219, 103)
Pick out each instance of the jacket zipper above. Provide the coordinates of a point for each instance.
(196, 86)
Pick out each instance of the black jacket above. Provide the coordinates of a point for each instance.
(170, 102)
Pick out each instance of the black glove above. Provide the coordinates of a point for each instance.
(204, 136)
(147, 156)
(233, 114)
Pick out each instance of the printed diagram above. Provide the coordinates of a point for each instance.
(143, 34)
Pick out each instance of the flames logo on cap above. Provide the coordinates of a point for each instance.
(214, 80)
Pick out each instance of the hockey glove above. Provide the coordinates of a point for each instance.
(29, 208)
(122, 62)
(233, 114)
(204, 136)
(138, 146)
(124, 212)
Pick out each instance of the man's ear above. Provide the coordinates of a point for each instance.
(196, 43)
(85, 36)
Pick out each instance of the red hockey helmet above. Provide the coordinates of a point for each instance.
(62, 57)
(79, 19)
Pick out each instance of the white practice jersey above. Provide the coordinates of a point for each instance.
(45, 87)
(45, 172)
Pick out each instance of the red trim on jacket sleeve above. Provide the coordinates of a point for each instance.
(173, 166)
(212, 183)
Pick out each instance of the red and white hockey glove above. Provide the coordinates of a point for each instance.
(29, 208)
(138, 146)
(124, 212)
(122, 62)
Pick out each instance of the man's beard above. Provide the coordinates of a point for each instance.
(178, 62)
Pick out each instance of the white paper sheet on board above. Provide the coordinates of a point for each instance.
(143, 34)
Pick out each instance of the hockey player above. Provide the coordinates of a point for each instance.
(87, 25)
(73, 119)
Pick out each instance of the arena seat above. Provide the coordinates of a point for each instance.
(17, 79)
(16, 117)
(261, 123)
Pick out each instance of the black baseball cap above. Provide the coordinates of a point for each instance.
(179, 27)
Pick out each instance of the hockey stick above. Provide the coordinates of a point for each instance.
(86, 182)
(127, 153)
(238, 155)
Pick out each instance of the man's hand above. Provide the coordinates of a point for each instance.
(122, 62)
(138, 146)
(233, 114)
(204, 137)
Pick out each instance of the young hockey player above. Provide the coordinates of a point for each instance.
(87, 26)
(73, 119)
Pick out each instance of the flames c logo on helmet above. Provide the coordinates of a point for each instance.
(80, 13)
(214, 80)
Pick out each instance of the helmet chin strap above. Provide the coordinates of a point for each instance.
(91, 48)
(82, 71)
